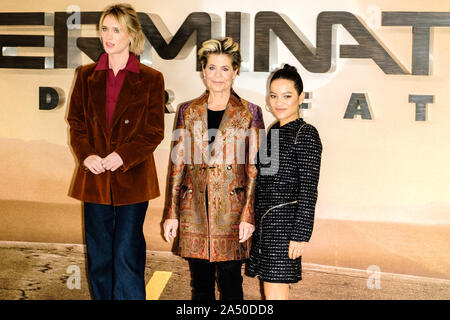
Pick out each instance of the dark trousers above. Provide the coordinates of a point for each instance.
(229, 279)
(116, 250)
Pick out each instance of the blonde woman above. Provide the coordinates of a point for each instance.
(211, 184)
(116, 118)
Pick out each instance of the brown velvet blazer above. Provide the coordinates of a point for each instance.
(137, 129)
(210, 230)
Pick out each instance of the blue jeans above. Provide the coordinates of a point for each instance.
(116, 250)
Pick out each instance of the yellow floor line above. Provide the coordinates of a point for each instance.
(156, 284)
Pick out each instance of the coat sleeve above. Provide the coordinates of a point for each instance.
(257, 124)
(79, 139)
(309, 152)
(177, 166)
(151, 131)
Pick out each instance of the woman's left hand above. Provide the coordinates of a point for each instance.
(112, 162)
(245, 231)
(296, 249)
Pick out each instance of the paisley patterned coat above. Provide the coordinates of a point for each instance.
(226, 174)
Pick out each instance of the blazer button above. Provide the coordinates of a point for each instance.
(127, 121)
(228, 167)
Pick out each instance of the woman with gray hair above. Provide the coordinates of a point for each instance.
(211, 199)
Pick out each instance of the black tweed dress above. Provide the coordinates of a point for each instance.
(286, 195)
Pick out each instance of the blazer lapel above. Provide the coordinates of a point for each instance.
(201, 108)
(130, 88)
(226, 124)
(97, 95)
(232, 113)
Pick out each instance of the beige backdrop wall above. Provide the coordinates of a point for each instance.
(384, 185)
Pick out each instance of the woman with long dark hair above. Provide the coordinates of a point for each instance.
(286, 189)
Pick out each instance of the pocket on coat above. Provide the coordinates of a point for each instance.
(183, 191)
(237, 199)
(185, 198)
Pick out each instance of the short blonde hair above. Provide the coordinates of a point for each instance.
(126, 16)
(225, 46)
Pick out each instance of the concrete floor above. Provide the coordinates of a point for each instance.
(43, 271)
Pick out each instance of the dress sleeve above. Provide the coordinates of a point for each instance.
(308, 154)
(257, 124)
(177, 165)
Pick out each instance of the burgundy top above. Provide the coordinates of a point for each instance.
(114, 83)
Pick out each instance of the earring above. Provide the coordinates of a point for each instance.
(268, 109)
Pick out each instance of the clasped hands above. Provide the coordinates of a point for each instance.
(97, 165)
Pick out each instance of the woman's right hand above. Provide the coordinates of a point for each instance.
(170, 229)
(94, 164)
